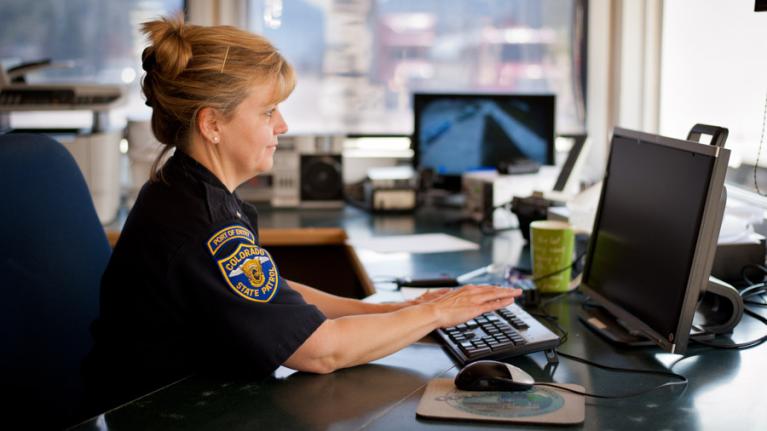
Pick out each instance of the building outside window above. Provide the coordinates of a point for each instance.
(359, 61)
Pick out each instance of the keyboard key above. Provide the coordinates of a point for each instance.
(502, 345)
(480, 351)
(519, 324)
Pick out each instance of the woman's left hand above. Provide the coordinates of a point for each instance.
(429, 296)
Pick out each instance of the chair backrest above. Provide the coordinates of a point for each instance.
(53, 251)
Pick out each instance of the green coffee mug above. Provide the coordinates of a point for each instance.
(552, 252)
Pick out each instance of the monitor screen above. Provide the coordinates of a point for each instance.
(655, 232)
(456, 133)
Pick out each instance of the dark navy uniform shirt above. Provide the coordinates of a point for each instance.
(189, 289)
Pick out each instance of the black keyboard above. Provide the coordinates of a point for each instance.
(499, 334)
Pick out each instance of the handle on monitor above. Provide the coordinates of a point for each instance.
(718, 134)
(720, 307)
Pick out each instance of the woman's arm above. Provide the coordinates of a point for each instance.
(334, 306)
(358, 339)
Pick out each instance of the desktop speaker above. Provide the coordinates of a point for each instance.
(320, 171)
(307, 172)
(321, 180)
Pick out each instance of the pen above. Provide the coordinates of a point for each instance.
(445, 281)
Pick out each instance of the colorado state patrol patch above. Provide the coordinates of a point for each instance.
(249, 269)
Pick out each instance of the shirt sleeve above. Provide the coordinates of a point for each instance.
(247, 315)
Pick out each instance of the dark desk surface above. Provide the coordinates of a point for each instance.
(725, 389)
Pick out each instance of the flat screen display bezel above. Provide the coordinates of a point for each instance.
(704, 246)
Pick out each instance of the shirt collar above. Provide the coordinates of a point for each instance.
(199, 171)
(222, 204)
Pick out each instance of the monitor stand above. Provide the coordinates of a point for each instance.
(604, 323)
(719, 309)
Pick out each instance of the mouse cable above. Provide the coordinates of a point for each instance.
(542, 314)
(682, 379)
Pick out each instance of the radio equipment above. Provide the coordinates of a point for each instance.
(307, 173)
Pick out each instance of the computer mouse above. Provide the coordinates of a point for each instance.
(492, 376)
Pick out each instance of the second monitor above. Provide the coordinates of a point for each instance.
(457, 133)
(654, 238)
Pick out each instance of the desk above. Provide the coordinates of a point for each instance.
(725, 389)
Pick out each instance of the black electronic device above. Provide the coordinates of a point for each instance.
(458, 133)
(569, 170)
(654, 238)
(17, 95)
(321, 179)
(518, 167)
(493, 376)
(760, 5)
(428, 282)
(529, 209)
(499, 334)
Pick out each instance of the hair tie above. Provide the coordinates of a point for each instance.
(226, 55)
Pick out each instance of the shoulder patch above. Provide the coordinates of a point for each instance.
(250, 271)
(234, 231)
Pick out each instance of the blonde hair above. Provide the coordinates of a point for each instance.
(190, 67)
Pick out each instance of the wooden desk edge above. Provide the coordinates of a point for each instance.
(299, 237)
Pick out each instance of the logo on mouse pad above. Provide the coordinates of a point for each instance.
(535, 402)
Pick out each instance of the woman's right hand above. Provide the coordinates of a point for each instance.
(470, 301)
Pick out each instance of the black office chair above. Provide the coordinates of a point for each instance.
(53, 251)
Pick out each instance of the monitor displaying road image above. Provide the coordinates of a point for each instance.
(459, 133)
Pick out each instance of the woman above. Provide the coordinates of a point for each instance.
(188, 288)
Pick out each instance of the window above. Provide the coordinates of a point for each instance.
(359, 61)
(717, 77)
(93, 41)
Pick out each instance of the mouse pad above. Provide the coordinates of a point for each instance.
(539, 405)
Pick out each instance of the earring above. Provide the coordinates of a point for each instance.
(215, 139)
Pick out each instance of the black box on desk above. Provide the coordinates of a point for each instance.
(731, 258)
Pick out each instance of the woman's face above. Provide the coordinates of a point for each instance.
(248, 140)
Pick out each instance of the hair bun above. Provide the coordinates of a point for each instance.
(148, 60)
(169, 52)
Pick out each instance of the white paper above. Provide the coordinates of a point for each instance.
(422, 243)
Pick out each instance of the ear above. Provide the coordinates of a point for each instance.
(209, 124)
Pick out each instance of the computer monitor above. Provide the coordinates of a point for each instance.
(655, 234)
(456, 133)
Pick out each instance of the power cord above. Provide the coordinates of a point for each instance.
(561, 270)
(744, 272)
(682, 379)
(759, 151)
(753, 290)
